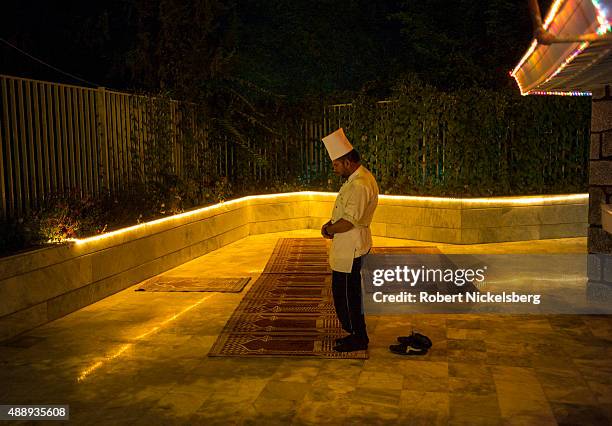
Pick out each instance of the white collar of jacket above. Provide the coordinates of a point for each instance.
(355, 174)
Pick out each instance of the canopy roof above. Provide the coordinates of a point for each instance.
(575, 68)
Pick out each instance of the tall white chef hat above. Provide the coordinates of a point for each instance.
(337, 144)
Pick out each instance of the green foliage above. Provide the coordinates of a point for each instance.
(60, 217)
(185, 154)
(472, 142)
(68, 216)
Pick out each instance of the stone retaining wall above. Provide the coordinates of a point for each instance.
(600, 194)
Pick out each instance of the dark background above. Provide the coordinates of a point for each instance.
(291, 48)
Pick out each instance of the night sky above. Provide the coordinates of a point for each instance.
(294, 48)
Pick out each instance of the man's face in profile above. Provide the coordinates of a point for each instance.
(341, 167)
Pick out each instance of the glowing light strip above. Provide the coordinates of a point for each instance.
(604, 26)
(552, 13)
(565, 63)
(531, 49)
(185, 214)
(510, 200)
(85, 373)
(549, 18)
(604, 23)
(493, 200)
(557, 93)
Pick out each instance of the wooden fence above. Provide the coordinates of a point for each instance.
(57, 139)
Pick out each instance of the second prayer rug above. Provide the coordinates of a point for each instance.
(187, 284)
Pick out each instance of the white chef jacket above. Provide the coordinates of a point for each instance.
(356, 202)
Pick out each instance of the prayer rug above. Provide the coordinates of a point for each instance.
(289, 310)
(299, 256)
(287, 314)
(222, 285)
(284, 315)
(309, 255)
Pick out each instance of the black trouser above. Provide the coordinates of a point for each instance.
(346, 289)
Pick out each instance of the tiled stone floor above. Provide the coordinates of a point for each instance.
(140, 358)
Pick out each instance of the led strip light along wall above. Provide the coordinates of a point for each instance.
(603, 28)
(524, 200)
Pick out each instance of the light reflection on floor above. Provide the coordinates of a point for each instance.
(140, 358)
(127, 346)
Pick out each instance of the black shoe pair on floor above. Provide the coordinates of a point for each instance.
(350, 343)
(415, 344)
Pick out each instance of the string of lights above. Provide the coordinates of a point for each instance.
(604, 23)
(558, 93)
(603, 28)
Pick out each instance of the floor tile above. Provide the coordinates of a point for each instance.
(134, 358)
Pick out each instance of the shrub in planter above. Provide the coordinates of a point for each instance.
(71, 216)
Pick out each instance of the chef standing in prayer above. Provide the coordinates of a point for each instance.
(349, 229)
